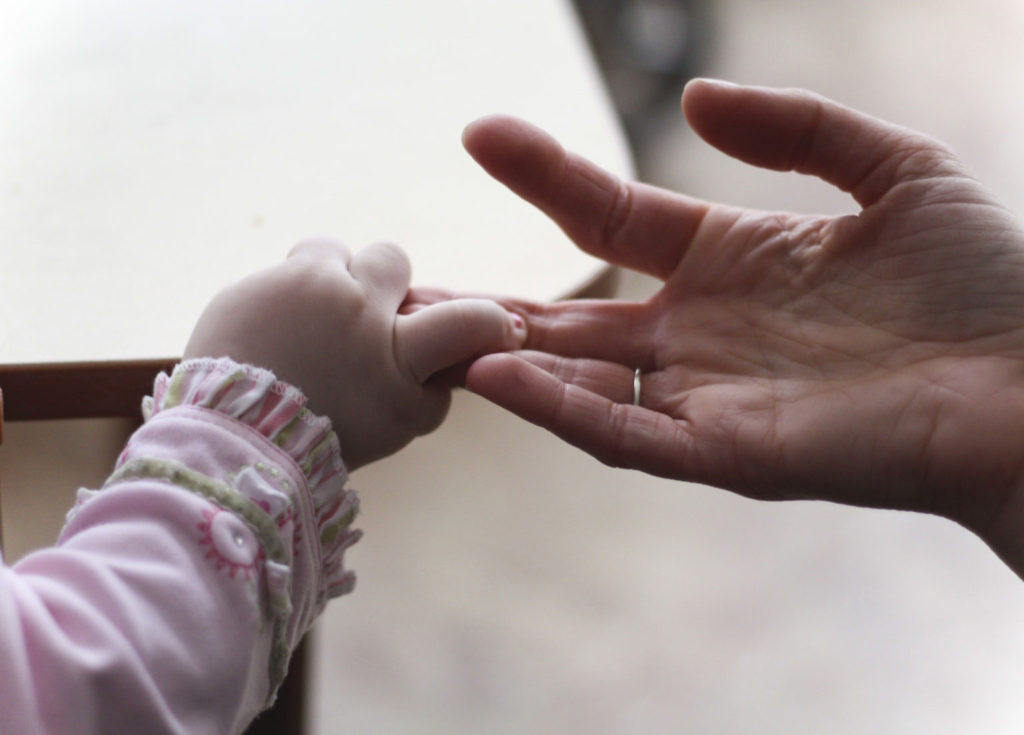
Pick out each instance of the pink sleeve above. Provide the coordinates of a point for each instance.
(178, 591)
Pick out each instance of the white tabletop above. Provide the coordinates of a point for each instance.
(152, 151)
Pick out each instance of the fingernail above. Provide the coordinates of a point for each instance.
(518, 328)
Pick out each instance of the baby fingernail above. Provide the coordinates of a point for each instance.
(518, 327)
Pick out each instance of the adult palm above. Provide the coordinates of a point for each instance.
(874, 359)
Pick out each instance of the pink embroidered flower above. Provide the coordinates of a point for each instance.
(230, 544)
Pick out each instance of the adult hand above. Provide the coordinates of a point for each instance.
(327, 320)
(874, 359)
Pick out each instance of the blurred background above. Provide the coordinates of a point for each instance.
(510, 584)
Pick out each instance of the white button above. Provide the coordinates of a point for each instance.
(233, 540)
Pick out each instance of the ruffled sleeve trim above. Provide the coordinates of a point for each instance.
(277, 411)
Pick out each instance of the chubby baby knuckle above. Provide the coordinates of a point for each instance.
(392, 256)
(388, 249)
(316, 284)
(320, 248)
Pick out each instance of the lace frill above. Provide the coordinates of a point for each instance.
(277, 411)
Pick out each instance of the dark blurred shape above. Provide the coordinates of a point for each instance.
(647, 50)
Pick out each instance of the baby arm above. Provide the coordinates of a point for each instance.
(178, 591)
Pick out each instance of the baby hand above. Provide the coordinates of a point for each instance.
(327, 321)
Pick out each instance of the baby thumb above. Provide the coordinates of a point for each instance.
(441, 335)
